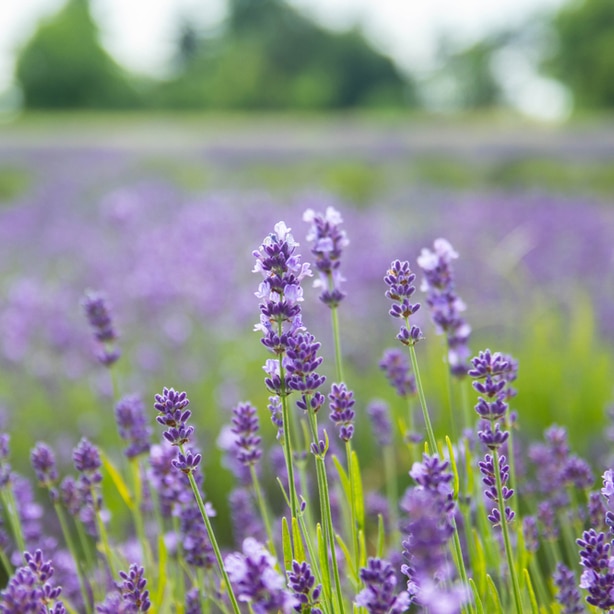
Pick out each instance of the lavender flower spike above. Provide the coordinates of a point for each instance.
(328, 241)
(256, 581)
(395, 365)
(444, 304)
(99, 317)
(172, 413)
(43, 462)
(341, 412)
(400, 281)
(379, 596)
(568, 594)
(133, 589)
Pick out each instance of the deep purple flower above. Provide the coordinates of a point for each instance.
(492, 374)
(598, 575)
(395, 365)
(98, 315)
(29, 590)
(328, 241)
(341, 410)
(444, 303)
(43, 463)
(400, 281)
(568, 594)
(381, 426)
(86, 459)
(379, 595)
(133, 588)
(489, 479)
(256, 581)
(302, 583)
(188, 462)
(132, 425)
(172, 413)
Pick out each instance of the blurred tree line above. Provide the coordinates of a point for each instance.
(269, 56)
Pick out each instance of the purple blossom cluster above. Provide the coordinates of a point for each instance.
(98, 315)
(132, 425)
(444, 303)
(30, 591)
(400, 281)
(395, 365)
(341, 410)
(327, 241)
(379, 594)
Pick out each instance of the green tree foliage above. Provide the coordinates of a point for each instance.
(64, 66)
(584, 56)
(270, 57)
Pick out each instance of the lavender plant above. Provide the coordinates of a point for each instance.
(133, 529)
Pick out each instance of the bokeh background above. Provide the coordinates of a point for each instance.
(146, 148)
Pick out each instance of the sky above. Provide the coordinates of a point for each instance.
(140, 33)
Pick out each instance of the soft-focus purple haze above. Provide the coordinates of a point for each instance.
(175, 264)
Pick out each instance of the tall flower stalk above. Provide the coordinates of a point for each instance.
(174, 415)
(490, 373)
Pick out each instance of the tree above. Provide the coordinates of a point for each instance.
(584, 55)
(64, 66)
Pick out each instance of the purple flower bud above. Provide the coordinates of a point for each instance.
(395, 365)
(568, 594)
(43, 462)
(302, 583)
(381, 426)
(133, 588)
(379, 594)
(341, 412)
(99, 317)
(245, 427)
(172, 413)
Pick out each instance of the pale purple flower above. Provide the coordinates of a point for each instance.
(327, 243)
(444, 304)
(98, 315)
(44, 465)
(598, 575)
(255, 579)
(395, 365)
(400, 281)
(567, 594)
(381, 426)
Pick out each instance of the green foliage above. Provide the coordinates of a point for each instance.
(584, 58)
(271, 57)
(64, 66)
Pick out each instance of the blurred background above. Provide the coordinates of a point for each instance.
(148, 146)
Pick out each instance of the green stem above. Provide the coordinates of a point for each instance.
(212, 539)
(506, 537)
(73, 551)
(353, 514)
(392, 493)
(8, 568)
(337, 340)
(137, 514)
(264, 512)
(10, 505)
(425, 412)
(327, 517)
(287, 440)
(538, 581)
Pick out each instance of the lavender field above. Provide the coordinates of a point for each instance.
(165, 233)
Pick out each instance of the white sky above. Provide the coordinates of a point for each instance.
(140, 33)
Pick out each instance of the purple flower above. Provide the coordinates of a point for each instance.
(302, 583)
(192, 601)
(245, 520)
(132, 425)
(172, 487)
(444, 304)
(98, 315)
(43, 463)
(256, 581)
(381, 426)
(328, 241)
(86, 459)
(568, 594)
(29, 590)
(395, 365)
(530, 533)
(172, 413)
(197, 548)
(245, 427)
(489, 479)
(492, 373)
(341, 412)
(400, 281)
(133, 588)
(5, 466)
(598, 575)
(378, 596)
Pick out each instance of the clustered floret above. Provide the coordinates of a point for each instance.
(328, 241)
(400, 281)
(444, 303)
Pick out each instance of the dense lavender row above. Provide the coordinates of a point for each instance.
(486, 522)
